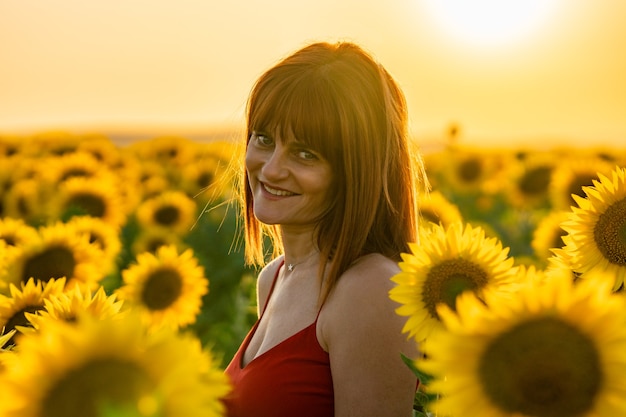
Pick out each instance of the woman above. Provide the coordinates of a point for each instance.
(331, 180)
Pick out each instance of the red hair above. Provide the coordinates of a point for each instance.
(337, 99)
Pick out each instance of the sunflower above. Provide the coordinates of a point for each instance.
(611, 154)
(29, 167)
(4, 341)
(10, 145)
(222, 171)
(153, 186)
(73, 304)
(107, 366)
(571, 175)
(560, 264)
(96, 197)
(26, 200)
(127, 170)
(16, 232)
(171, 151)
(434, 164)
(447, 262)
(471, 170)
(59, 251)
(27, 298)
(7, 255)
(74, 164)
(596, 239)
(172, 210)
(167, 286)
(101, 148)
(436, 208)
(6, 181)
(151, 239)
(221, 150)
(6, 348)
(205, 179)
(104, 237)
(53, 142)
(556, 349)
(530, 274)
(530, 180)
(548, 234)
(25, 189)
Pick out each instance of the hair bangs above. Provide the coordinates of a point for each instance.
(304, 108)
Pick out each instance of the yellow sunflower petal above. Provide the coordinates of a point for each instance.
(98, 366)
(447, 262)
(166, 286)
(556, 349)
(596, 239)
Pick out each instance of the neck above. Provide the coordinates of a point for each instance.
(292, 263)
(299, 246)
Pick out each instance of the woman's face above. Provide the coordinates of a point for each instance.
(290, 183)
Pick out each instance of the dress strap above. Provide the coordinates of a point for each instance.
(269, 295)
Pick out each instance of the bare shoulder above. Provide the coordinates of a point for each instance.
(363, 291)
(267, 274)
(265, 280)
(363, 335)
(370, 275)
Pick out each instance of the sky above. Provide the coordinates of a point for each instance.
(188, 65)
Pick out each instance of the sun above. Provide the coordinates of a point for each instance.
(490, 22)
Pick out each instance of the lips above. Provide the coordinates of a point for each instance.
(276, 191)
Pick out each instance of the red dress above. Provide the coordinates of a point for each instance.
(292, 379)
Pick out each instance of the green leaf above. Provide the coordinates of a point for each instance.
(423, 377)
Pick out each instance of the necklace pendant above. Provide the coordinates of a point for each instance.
(290, 267)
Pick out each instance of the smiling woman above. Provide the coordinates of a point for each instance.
(491, 22)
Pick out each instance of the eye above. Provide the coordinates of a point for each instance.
(306, 155)
(262, 139)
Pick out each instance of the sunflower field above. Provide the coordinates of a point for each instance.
(123, 289)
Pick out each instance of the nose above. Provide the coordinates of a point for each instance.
(275, 167)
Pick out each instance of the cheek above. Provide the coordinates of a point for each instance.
(326, 189)
(251, 160)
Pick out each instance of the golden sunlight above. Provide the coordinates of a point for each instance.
(491, 22)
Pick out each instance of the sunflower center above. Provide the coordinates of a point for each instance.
(99, 385)
(162, 288)
(430, 216)
(577, 184)
(88, 203)
(74, 173)
(544, 368)
(448, 279)
(557, 239)
(167, 153)
(535, 181)
(53, 262)
(154, 244)
(205, 179)
(19, 319)
(9, 240)
(470, 170)
(167, 215)
(96, 239)
(609, 233)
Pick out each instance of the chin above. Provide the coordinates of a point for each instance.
(269, 220)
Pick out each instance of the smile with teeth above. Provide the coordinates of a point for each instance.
(274, 191)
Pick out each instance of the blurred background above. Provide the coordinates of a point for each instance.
(484, 72)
